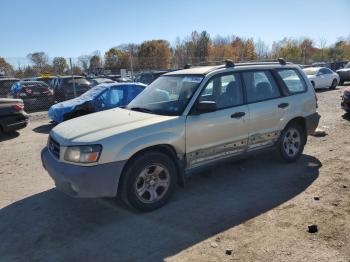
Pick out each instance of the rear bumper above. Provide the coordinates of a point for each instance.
(312, 122)
(83, 181)
(14, 122)
(345, 104)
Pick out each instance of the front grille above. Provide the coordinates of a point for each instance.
(54, 147)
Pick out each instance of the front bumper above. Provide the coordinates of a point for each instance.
(312, 122)
(83, 181)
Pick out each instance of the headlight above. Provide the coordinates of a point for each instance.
(83, 154)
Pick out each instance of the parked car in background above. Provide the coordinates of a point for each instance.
(149, 77)
(183, 121)
(63, 87)
(12, 115)
(322, 77)
(345, 103)
(344, 74)
(99, 98)
(5, 86)
(100, 80)
(35, 94)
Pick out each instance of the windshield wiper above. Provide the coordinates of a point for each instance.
(141, 109)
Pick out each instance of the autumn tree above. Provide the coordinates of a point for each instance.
(5, 68)
(95, 62)
(307, 49)
(220, 49)
(154, 54)
(59, 65)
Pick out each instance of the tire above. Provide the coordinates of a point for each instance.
(148, 181)
(291, 143)
(334, 84)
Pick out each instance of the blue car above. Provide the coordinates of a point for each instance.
(99, 98)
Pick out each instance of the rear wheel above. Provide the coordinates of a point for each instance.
(148, 181)
(291, 143)
(334, 84)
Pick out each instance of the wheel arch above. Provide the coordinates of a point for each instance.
(166, 149)
(301, 121)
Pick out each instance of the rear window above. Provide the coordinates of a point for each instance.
(293, 80)
(77, 81)
(5, 88)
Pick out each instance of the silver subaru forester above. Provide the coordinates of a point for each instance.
(184, 120)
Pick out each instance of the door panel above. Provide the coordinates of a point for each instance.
(216, 135)
(266, 122)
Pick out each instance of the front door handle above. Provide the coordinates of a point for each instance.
(238, 115)
(283, 105)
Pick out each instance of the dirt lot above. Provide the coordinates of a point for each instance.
(259, 208)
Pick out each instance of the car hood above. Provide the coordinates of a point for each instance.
(97, 126)
(57, 111)
(311, 76)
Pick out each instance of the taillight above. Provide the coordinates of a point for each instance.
(18, 107)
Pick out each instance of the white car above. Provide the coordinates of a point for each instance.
(322, 77)
(184, 120)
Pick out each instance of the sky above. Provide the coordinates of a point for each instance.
(71, 28)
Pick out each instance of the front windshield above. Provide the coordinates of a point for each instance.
(167, 95)
(311, 71)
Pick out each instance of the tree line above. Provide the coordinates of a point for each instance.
(197, 48)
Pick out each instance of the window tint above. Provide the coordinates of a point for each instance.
(323, 71)
(292, 80)
(260, 86)
(327, 71)
(133, 91)
(225, 90)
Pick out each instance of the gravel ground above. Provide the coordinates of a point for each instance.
(260, 208)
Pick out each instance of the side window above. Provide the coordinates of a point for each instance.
(116, 97)
(225, 90)
(260, 86)
(292, 80)
(133, 91)
(325, 71)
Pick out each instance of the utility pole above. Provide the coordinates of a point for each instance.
(132, 67)
(71, 68)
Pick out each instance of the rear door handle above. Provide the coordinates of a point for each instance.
(238, 115)
(283, 105)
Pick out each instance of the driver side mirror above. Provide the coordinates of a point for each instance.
(205, 107)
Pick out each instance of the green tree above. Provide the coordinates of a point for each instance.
(59, 65)
(40, 60)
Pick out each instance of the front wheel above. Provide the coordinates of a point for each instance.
(149, 181)
(334, 84)
(291, 143)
